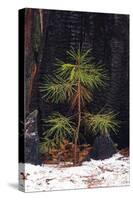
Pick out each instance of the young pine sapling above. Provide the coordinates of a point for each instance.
(73, 83)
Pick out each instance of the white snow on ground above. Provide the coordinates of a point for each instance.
(102, 173)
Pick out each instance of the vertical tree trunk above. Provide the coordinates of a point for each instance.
(41, 20)
(79, 120)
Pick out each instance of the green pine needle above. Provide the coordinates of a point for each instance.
(59, 126)
(102, 123)
(57, 90)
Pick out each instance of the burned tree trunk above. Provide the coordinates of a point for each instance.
(31, 139)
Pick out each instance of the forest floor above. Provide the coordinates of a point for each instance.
(95, 173)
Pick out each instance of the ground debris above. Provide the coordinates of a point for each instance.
(95, 173)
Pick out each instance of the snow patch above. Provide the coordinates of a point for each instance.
(95, 173)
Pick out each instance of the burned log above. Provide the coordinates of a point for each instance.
(31, 139)
(103, 148)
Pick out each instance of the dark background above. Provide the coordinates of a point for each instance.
(108, 37)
